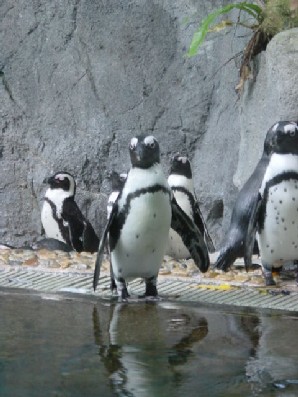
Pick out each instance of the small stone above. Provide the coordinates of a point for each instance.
(46, 254)
(64, 263)
(31, 262)
(242, 278)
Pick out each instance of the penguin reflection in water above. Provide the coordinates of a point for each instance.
(274, 212)
(181, 183)
(129, 348)
(61, 217)
(139, 224)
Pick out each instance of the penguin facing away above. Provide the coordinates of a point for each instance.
(118, 181)
(140, 220)
(274, 214)
(61, 217)
(233, 246)
(181, 183)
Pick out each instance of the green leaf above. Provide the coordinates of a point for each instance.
(199, 36)
(220, 26)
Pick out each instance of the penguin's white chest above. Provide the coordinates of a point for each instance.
(278, 240)
(50, 224)
(142, 242)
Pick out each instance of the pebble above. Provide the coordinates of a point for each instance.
(85, 261)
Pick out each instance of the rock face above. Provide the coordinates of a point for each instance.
(78, 79)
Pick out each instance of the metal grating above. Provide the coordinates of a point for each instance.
(179, 290)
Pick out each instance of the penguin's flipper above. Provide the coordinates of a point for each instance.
(74, 220)
(200, 223)
(191, 236)
(226, 258)
(101, 246)
(249, 241)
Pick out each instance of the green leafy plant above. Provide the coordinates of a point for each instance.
(269, 17)
(200, 34)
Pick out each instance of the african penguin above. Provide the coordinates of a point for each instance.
(61, 217)
(51, 244)
(181, 183)
(233, 246)
(140, 221)
(118, 181)
(274, 215)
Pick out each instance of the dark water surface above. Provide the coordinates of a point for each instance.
(76, 346)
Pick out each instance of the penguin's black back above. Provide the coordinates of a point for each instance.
(234, 243)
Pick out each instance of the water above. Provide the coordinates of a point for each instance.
(78, 346)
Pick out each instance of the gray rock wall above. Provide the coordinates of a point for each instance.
(79, 79)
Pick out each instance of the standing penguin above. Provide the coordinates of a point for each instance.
(274, 212)
(140, 221)
(118, 181)
(181, 183)
(233, 247)
(61, 217)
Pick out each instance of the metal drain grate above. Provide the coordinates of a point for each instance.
(179, 290)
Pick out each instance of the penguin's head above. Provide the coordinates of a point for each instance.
(180, 165)
(117, 180)
(285, 137)
(62, 180)
(144, 151)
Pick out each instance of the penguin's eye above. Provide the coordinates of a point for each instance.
(292, 133)
(151, 145)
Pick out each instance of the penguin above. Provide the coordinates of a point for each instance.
(233, 246)
(61, 217)
(51, 244)
(118, 181)
(181, 183)
(139, 224)
(6, 246)
(274, 212)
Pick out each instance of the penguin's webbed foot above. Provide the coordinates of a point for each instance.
(151, 290)
(269, 281)
(113, 286)
(123, 297)
(123, 294)
(269, 272)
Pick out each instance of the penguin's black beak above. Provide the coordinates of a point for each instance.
(137, 155)
(48, 180)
